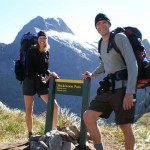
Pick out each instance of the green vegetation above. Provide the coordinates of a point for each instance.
(13, 127)
(66, 119)
(142, 132)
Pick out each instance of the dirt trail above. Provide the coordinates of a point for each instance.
(109, 141)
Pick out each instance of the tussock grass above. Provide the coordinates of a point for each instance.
(66, 119)
(13, 126)
(142, 132)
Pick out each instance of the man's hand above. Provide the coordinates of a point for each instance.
(86, 75)
(128, 101)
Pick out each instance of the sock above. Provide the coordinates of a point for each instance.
(98, 146)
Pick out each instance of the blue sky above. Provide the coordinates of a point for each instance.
(78, 15)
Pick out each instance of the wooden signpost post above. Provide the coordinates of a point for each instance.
(69, 87)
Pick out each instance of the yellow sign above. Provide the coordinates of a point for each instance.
(69, 87)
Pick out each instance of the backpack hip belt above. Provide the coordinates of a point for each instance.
(108, 83)
(119, 75)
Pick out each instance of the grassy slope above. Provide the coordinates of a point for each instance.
(13, 128)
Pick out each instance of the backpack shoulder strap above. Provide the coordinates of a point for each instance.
(47, 54)
(109, 44)
(99, 45)
(114, 45)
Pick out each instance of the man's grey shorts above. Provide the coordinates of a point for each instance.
(108, 102)
(31, 86)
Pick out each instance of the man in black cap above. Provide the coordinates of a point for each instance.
(121, 100)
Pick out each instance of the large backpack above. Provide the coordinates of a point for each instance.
(27, 43)
(135, 37)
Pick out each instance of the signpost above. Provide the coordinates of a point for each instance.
(69, 87)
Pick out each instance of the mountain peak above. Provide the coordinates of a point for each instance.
(56, 24)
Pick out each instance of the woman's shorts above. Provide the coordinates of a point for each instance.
(31, 86)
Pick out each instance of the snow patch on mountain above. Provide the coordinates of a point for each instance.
(73, 42)
(83, 48)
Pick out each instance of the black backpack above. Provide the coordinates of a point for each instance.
(135, 37)
(27, 43)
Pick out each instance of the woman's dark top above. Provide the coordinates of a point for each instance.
(37, 63)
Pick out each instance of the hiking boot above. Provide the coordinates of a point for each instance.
(29, 135)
